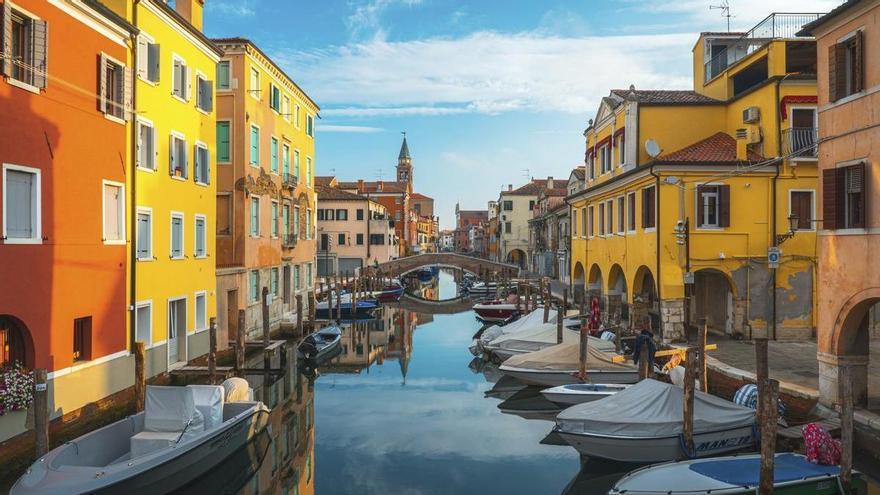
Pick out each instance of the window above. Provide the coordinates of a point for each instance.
(114, 213)
(224, 75)
(601, 219)
(200, 241)
(800, 204)
(254, 88)
(631, 212)
(274, 98)
(144, 235)
(843, 197)
(605, 158)
(146, 146)
(274, 227)
(143, 323)
(621, 215)
(574, 223)
(377, 239)
(285, 159)
(397, 216)
(285, 221)
(177, 163)
(255, 146)
(340, 239)
(176, 236)
(398, 200)
(148, 59)
(507, 227)
(360, 239)
(273, 148)
(308, 171)
(296, 164)
(713, 206)
(285, 107)
(27, 37)
(591, 164)
(621, 149)
(224, 213)
(224, 142)
(342, 215)
(202, 165)
(584, 221)
(273, 282)
(254, 286)
(359, 214)
(590, 213)
(201, 311)
(309, 274)
(297, 283)
(308, 224)
(531, 205)
(609, 209)
(82, 339)
(115, 88)
(310, 126)
(508, 206)
(325, 242)
(296, 222)
(846, 67)
(205, 94)
(649, 205)
(180, 83)
(255, 217)
(296, 116)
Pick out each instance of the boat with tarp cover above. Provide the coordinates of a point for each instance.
(559, 365)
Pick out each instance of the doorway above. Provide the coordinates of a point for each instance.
(176, 331)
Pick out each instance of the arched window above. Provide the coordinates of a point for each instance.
(15, 343)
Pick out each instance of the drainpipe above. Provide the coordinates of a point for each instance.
(657, 232)
(773, 202)
(133, 189)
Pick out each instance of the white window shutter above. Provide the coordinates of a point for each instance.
(6, 38)
(143, 55)
(139, 146)
(177, 76)
(127, 93)
(187, 82)
(153, 135)
(103, 84)
(209, 89)
(196, 161)
(40, 31)
(171, 155)
(207, 178)
(184, 159)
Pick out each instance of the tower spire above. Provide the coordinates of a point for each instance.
(404, 162)
(404, 149)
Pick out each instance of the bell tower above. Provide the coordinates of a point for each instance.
(404, 163)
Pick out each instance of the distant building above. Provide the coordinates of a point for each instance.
(447, 240)
(544, 230)
(515, 210)
(464, 219)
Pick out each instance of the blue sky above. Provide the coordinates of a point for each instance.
(489, 91)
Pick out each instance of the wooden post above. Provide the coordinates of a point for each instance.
(212, 350)
(299, 315)
(140, 383)
(704, 365)
(330, 303)
(559, 318)
(584, 342)
(338, 306)
(239, 344)
(583, 309)
(535, 300)
(264, 303)
(564, 304)
(546, 309)
(690, 371)
(313, 303)
(41, 412)
(644, 365)
(844, 379)
(528, 297)
(764, 392)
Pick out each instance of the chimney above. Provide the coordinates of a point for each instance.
(550, 182)
(361, 185)
(191, 10)
(510, 187)
(380, 186)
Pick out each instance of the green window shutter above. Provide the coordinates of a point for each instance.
(223, 141)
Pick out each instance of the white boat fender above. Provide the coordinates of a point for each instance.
(236, 390)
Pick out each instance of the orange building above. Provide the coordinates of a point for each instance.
(63, 253)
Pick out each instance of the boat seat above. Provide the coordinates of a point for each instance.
(146, 442)
(209, 401)
(169, 413)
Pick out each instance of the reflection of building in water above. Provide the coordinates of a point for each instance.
(363, 343)
(289, 465)
(400, 342)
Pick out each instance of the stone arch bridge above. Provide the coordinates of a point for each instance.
(426, 306)
(478, 266)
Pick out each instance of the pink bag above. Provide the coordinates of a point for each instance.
(820, 447)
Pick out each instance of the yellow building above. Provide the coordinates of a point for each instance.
(266, 199)
(174, 191)
(734, 159)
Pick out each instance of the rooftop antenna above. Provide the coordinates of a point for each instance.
(725, 11)
(379, 174)
(527, 173)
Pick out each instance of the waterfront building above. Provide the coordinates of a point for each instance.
(65, 203)
(544, 232)
(464, 220)
(173, 185)
(492, 231)
(266, 201)
(735, 159)
(515, 209)
(848, 291)
(354, 231)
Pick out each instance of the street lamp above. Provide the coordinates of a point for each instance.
(793, 221)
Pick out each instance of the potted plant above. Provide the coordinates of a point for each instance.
(16, 388)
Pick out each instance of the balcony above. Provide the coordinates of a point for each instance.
(289, 180)
(774, 26)
(289, 241)
(800, 142)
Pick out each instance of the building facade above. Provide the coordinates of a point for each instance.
(544, 232)
(266, 201)
(728, 174)
(515, 208)
(848, 288)
(464, 221)
(65, 203)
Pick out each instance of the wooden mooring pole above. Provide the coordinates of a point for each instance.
(265, 306)
(545, 292)
(844, 379)
(704, 362)
(139, 376)
(584, 342)
(690, 372)
(239, 343)
(313, 302)
(299, 315)
(768, 445)
(559, 310)
(212, 350)
(644, 364)
(41, 412)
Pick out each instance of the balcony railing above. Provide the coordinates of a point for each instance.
(774, 26)
(800, 142)
(288, 240)
(289, 180)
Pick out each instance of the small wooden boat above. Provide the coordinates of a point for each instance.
(578, 393)
(389, 293)
(182, 434)
(346, 303)
(736, 475)
(319, 344)
(495, 310)
(559, 364)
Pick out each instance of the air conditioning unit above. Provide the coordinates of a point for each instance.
(751, 115)
(751, 134)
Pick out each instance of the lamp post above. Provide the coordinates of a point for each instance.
(793, 222)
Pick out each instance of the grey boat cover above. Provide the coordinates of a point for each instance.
(528, 321)
(542, 337)
(652, 409)
(566, 357)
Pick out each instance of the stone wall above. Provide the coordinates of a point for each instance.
(672, 320)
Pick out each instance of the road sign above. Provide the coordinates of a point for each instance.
(773, 255)
(688, 278)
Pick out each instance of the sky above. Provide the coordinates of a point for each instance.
(489, 92)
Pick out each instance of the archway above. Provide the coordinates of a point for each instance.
(517, 257)
(618, 309)
(713, 300)
(855, 339)
(578, 281)
(594, 287)
(645, 307)
(16, 343)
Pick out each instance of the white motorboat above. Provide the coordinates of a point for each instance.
(529, 321)
(537, 338)
(578, 393)
(559, 364)
(182, 434)
(734, 475)
(644, 424)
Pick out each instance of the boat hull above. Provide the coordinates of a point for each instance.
(562, 396)
(657, 449)
(495, 312)
(554, 378)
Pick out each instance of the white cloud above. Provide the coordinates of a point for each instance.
(235, 8)
(488, 72)
(367, 16)
(746, 13)
(359, 129)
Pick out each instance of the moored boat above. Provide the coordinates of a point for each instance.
(498, 310)
(735, 475)
(316, 346)
(578, 393)
(182, 434)
(389, 293)
(535, 339)
(559, 364)
(346, 304)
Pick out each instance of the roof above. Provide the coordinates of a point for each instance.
(580, 173)
(533, 188)
(556, 191)
(808, 28)
(373, 187)
(188, 26)
(717, 148)
(666, 96)
(723, 33)
(416, 195)
(324, 180)
(404, 150)
(111, 16)
(326, 193)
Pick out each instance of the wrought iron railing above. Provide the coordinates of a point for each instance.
(800, 142)
(289, 180)
(289, 240)
(774, 26)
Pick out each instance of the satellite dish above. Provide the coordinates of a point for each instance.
(652, 148)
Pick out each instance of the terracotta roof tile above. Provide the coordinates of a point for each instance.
(323, 180)
(326, 193)
(666, 96)
(717, 148)
(533, 188)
